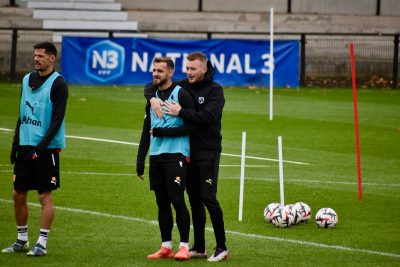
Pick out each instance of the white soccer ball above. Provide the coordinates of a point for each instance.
(269, 209)
(326, 218)
(304, 210)
(281, 218)
(293, 213)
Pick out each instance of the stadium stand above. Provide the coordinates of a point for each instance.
(80, 15)
(85, 5)
(93, 15)
(239, 19)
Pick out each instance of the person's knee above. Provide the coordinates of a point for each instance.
(162, 199)
(195, 201)
(210, 201)
(19, 197)
(178, 200)
(45, 199)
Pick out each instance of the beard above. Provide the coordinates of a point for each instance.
(160, 82)
(38, 67)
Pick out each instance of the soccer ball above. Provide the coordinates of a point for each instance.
(269, 209)
(293, 212)
(304, 211)
(326, 218)
(281, 218)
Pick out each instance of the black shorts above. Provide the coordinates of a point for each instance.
(168, 171)
(41, 174)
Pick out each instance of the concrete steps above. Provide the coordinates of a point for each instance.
(80, 15)
(57, 36)
(258, 23)
(90, 25)
(74, 5)
(83, 1)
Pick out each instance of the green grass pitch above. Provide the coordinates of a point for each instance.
(106, 216)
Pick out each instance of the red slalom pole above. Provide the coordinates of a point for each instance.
(353, 79)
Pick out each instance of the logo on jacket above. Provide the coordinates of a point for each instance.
(30, 105)
(201, 100)
(178, 180)
(29, 120)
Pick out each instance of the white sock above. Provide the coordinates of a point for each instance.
(44, 234)
(184, 244)
(22, 232)
(167, 244)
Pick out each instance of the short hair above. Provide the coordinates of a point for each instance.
(49, 48)
(167, 60)
(197, 56)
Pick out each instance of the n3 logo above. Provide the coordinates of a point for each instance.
(105, 61)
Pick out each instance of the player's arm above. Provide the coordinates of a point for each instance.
(187, 128)
(211, 113)
(149, 91)
(149, 94)
(15, 143)
(143, 145)
(59, 96)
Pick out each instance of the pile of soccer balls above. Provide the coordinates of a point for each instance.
(292, 214)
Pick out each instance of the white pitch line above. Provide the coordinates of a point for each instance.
(221, 166)
(100, 173)
(231, 178)
(267, 159)
(236, 233)
(6, 130)
(312, 181)
(247, 166)
(101, 140)
(136, 144)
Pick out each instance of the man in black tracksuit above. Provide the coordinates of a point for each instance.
(205, 146)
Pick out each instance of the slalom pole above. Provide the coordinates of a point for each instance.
(353, 79)
(271, 62)
(282, 194)
(242, 165)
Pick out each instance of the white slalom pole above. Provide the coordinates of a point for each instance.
(281, 170)
(271, 62)
(242, 176)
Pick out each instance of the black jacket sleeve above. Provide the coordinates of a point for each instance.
(149, 91)
(15, 142)
(186, 101)
(212, 111)
(59, 96)
(145, 137)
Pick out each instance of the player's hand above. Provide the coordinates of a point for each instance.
(140, 169)
(172, 108)
(156, 106)
(13, 154)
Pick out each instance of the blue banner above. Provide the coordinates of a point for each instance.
(128, 61)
